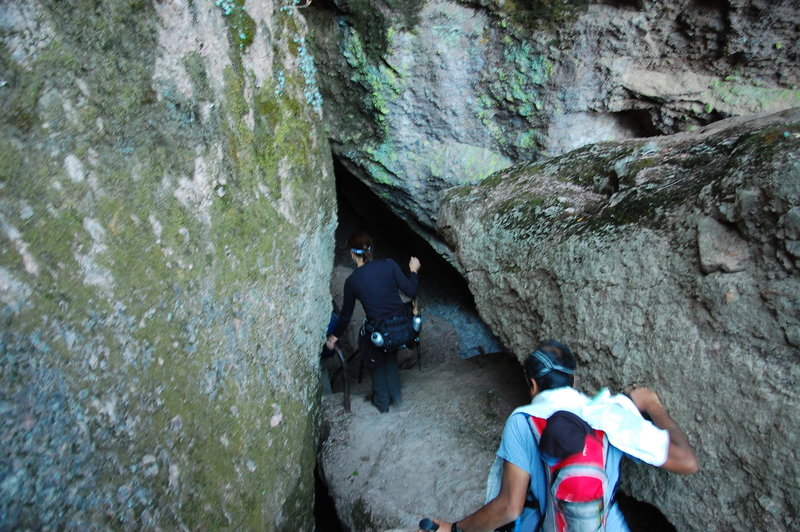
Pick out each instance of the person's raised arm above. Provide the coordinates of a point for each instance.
(680, 457)
(504, 508)
(407, 284)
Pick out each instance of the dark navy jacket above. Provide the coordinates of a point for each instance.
(376, 285)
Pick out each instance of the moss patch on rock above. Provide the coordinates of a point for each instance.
(166, 265)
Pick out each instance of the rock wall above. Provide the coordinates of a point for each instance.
(670, 262)
(423, 95)
(166, 219)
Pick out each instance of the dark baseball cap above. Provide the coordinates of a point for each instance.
(565, 434)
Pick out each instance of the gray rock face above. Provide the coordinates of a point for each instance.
(671, 263)
(166, 219)
(720, 248)
(423, 95)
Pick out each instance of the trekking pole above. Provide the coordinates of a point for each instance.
(427, 524)
(346, 379)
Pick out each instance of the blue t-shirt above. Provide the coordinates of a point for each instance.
(519, 448)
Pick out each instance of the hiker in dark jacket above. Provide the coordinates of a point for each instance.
(377, 285)
(517, 491)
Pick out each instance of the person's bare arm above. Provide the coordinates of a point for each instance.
(504, 508)
(680, 457)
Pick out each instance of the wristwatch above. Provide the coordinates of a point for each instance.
(454, 528)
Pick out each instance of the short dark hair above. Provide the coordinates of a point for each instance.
(558, 355)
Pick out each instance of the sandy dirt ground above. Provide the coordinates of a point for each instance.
(431, 456)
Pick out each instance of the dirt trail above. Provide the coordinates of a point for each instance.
(431, 456)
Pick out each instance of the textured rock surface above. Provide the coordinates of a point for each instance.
(607, 249)
(426, 94)
(165, 226)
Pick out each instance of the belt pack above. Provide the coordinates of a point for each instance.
(396, 331)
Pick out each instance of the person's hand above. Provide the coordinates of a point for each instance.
(414, 265)
(330, 343)
(644, 398)
(443, 526)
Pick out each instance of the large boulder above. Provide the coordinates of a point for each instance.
(669, 262)
(423, 95)
(166, 218)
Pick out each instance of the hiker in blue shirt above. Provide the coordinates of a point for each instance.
(517, 491)
(377, 285)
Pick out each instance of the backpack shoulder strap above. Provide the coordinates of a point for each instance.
(537, 426)
(610, 491)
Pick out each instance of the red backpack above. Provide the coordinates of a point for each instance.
(578, 496)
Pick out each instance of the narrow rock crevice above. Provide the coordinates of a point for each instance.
(325, 517)
(444, 294)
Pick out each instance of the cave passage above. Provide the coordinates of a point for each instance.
(443, 292)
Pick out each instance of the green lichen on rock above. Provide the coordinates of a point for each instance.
(528, 70)
(735, 93)
(589, 170)
(19, 93)
(371, 27)
(380, 163)
(251, 457)
(516, 86)
(10, 160)
(196, 68)
(258, 158)
(520, 213)
(149, 247)
(646, 180)
(602, 188)
(455, 193)
(473, 163)
(380, 83)
(89, 47)
(241, 26)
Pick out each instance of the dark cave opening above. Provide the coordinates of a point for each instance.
(443, 291)
(638, 122)
(325, 517)
(360, 208)
(641, 516)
